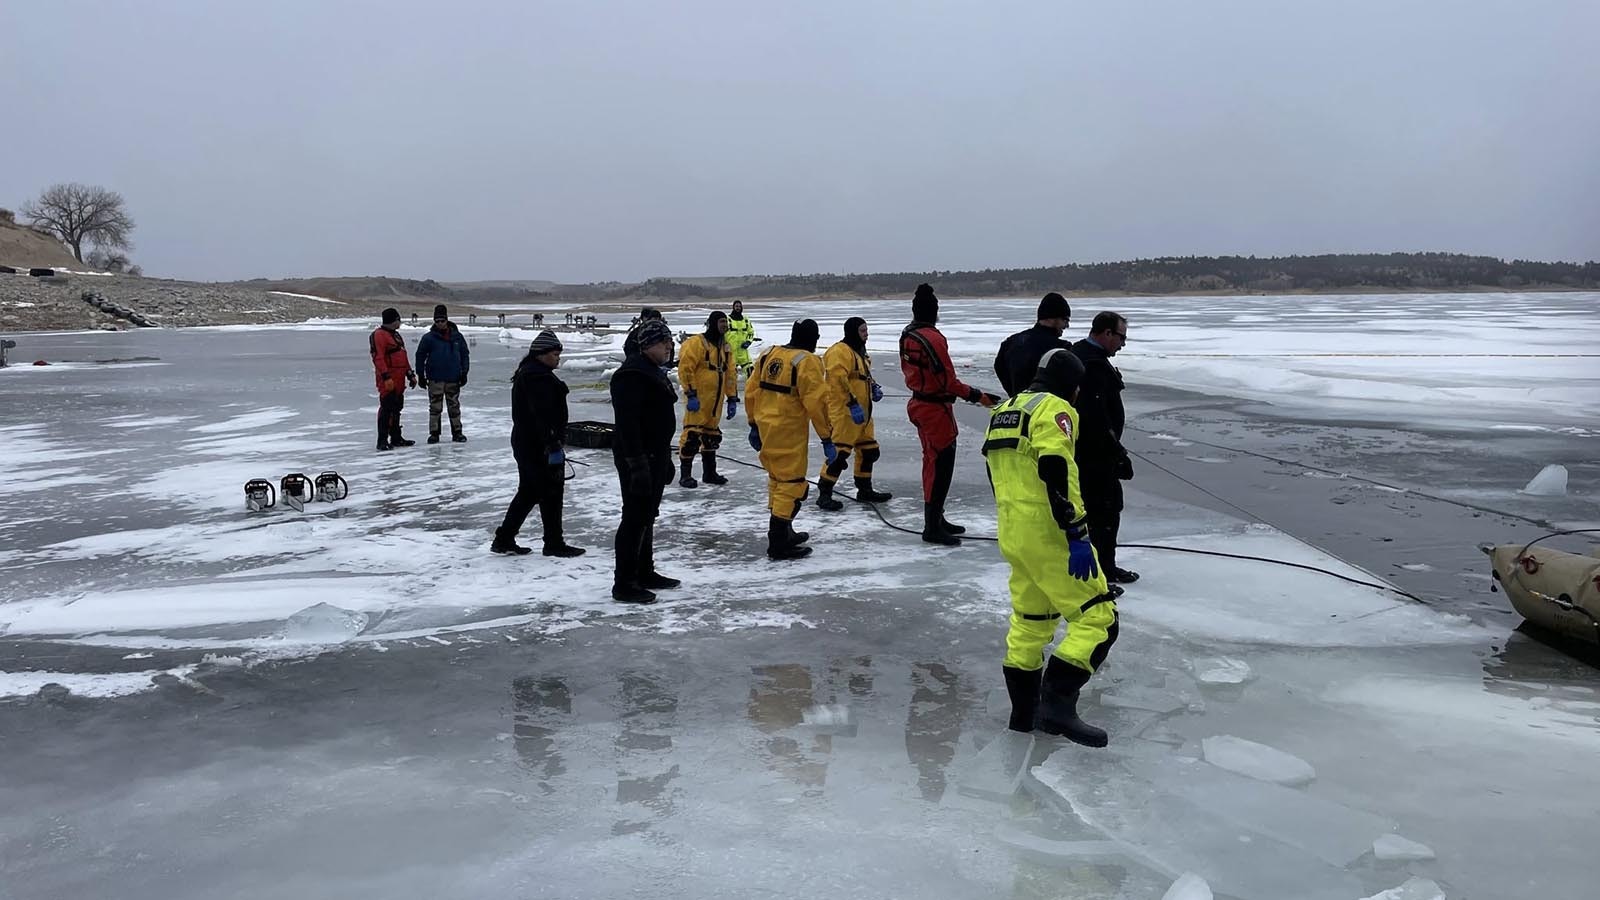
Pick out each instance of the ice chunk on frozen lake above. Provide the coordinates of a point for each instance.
(830, 719)
(1189, 886)
(1550, 482)
(1257, 761)
(993, 774)
(1221, 670)
(1413, 889)
(1394, 848)
(324, 623)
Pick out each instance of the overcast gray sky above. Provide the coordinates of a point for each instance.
(590, 139)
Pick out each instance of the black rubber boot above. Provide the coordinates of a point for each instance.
(1058, 705)
(383, 444)
(684, 478)
(631, 592)
(781, 541)
(1023, 686)
(708, 462)
(508, 546)
(562, 549)
(458, 438)
(1118, 575)
(950, 526)
(399, 440)
(865, 492)
(433, 439)
(933, 531)
(825, 498)
(655, 581)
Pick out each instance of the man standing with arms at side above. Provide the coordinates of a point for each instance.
(1020, 353)
(741, 334)
(538, 439)
(1103, 464)
(709, 382)
(784, 398)
(393, 370)
(645, 406)
(931, 377)
(442, 364)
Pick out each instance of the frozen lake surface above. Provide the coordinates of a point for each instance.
(358, 699)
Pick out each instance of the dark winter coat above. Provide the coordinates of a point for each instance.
(646, 409)
(538, 411)
(1018, 359)
(1100, 455)
(443, 359)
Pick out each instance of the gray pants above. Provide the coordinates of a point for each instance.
(440, 395)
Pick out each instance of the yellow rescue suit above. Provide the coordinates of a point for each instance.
(850, 378)
(741, 334)
(1033, 539)
(708, 371)
(785, 397)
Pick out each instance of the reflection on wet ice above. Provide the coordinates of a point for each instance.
(648, 716)
(541, 706)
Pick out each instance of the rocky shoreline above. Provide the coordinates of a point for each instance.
(74, 302)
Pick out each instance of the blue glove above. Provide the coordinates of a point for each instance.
(694, 402)
(745, 345)
(828, 449)
(1081, 563)
(733, 406)
(755, 438)
(557, 457)
(877, 392)
(857, 414)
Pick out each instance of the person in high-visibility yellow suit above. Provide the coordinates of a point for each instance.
(851, 393)
(709, 382)
(784, 398)
(1029, 450)
(741, 334)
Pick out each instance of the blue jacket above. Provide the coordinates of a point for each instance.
(443, 359)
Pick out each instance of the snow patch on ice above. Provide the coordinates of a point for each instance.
(1221, 670)
(1189, 886)
(1257, 761)
(85, 684)
(1412, 889)
(248, 421)
(1394, 848)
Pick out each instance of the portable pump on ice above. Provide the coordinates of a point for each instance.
(259, 494)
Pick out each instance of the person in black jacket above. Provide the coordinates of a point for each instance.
(1020, 353)
(645, 406)
(538, 433)
(1103, 464)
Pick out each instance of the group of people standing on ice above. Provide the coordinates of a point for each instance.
(1053, 451)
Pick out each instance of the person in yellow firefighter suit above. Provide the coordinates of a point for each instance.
(709, 382)
(1029, 450)
(851, 393)
(741, 334)
(784, 398)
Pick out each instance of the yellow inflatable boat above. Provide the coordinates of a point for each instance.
(1553, 589)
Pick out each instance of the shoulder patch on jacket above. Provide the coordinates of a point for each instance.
(1064, 422)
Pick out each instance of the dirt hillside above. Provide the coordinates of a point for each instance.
(23, 248)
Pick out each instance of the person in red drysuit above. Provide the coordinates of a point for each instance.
(392, 369)
(931, 378)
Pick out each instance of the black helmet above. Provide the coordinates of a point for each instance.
(1060, 372)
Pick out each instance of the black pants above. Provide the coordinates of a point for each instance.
(635, 543)
(944, 471)
(1102, 502)
(539, 483)
(389, 406)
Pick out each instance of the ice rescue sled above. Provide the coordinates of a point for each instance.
(1553, 589)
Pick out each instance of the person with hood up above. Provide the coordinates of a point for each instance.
(931, 378)
(442, 364)
(1020, 353)
(1030, 453)
(538, 439)
(851, 394)
(741, 334)
(784, 398)
(710, 385)
(645, 406)
(392, 367)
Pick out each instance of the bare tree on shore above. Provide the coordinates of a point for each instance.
(82, 214)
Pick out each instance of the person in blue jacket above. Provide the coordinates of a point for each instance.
(442, 365)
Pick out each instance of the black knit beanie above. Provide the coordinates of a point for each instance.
(924, 305)
(391, 315)
(1054, 306)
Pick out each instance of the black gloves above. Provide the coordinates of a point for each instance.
(1125, 468)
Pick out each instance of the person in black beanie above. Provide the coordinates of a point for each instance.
(645, 406)
(538, 438)
(392, 368)
(1020, 353)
